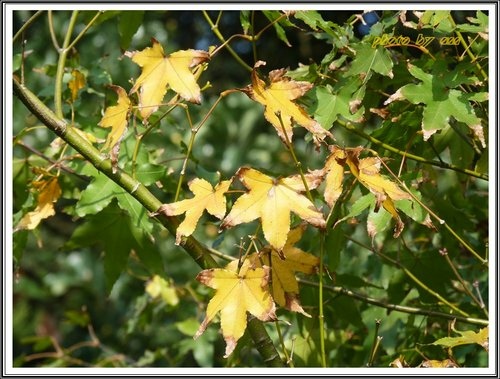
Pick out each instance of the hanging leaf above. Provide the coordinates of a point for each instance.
(76, 83)
(280, 109)
(466, 337)
(160, 71)
(285, 289)
(48, 193)
(116, 117)
(334, 168)
(272, 200)
(237, 292)
(205, 198)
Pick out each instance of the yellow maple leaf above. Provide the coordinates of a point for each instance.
(285, 289)
(160, 70)
(48, 193)
(115, 118)
(278, 100)
(237, 293)
(76, 83)
(272, 200)
(334, 168)
(205, 197)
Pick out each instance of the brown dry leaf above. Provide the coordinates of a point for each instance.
(48, 193)
(205, 198)
(236, 294)
(280, 109)
(272, 200)
(285, 289)
(160, 71)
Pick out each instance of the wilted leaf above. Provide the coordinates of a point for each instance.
(237, 293)
(76, 83)
(433, 363)
(115, 118)
(48, 193)
(285, 289)
(160, 71)
(272, 200)
(278, 99)
(205, 197)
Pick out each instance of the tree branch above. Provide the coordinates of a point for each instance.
(200, 253)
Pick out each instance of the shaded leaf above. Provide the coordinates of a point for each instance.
(237, 292)
(76, 83)
(272, 200)
(48, 193)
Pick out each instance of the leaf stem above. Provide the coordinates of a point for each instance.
(26, 25)
(376, 343)
(395, 307)
(61, 63)
(320, 299)
(215, 29)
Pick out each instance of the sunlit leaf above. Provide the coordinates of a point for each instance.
(237, 292)
(441, 101)
(160, 71)
(278, 99)
(272, 200)
(48, 193)
(205, 198)
(466, 337)
(285, 289)
(116, 117)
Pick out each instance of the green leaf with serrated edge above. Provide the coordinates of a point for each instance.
(359, 206)
(245, 20)
(128, 24)
(333, 104)
(315, 21)
(466, 337)
(278, 26)
(441, 103)
(371, 59)
(378, 221)
(411, 208)
(101, 191)
(112, 229)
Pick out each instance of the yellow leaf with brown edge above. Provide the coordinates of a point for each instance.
(280, 109)
(272, 200)
(205, 198)
(237, 292)
(284, 285)
(115, 117)
(48, 193)
(160, 71)
(367, 171)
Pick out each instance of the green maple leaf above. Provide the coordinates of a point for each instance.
(343, 101)
(371, 59)
(441, 100)
(113, 230)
